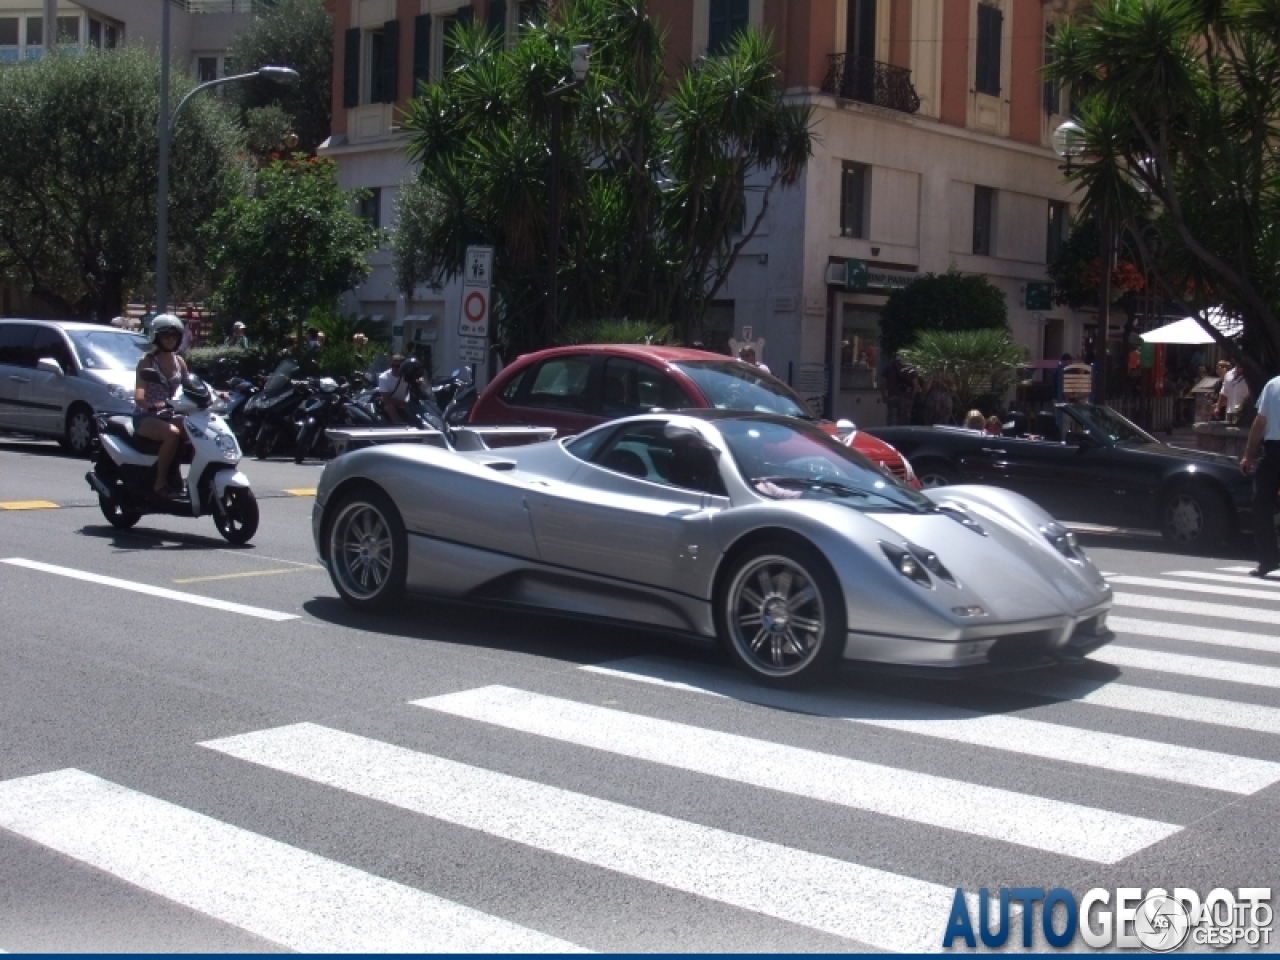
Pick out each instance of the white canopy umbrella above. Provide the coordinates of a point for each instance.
(1188, 329)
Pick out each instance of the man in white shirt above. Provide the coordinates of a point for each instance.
(1235, 391)
(1264, 439)
(393, 390)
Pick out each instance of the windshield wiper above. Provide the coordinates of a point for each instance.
(834, 486)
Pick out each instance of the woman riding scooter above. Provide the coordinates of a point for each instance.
(160, 374)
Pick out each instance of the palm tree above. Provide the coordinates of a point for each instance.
(969, 363)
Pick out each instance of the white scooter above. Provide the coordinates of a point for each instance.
(124, 469)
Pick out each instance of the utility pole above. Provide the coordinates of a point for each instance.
(162, 193)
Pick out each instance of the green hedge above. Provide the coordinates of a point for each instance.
(219, 364)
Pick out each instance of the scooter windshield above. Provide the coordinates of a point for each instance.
(282, 379)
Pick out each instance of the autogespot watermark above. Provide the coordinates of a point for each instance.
(1155, 919)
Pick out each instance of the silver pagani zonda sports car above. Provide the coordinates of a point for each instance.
(759, 531)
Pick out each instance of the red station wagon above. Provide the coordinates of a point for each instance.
(573, 388)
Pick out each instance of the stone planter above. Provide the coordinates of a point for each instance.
(1217, 437)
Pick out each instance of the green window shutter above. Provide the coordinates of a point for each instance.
(390, 61)
(421, 50)
(498, 17)
(351, 69)
(987, 72)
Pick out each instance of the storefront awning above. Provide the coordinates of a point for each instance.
(1188, 330)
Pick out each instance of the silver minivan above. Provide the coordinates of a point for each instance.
(55, 375)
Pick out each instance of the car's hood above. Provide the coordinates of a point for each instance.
(1012, 572)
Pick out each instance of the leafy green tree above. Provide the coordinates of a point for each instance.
(78, 178)
(653, 175)
(292, 247)
(287, 33)
(942, 301)
(1180, 104)
(969, 363)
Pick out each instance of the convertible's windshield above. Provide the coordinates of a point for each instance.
(1107, 423)
(788, 461)
(108, 349)
(733, 385)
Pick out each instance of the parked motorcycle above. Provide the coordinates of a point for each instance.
(274, 410)
(330, 406)
(124, 469)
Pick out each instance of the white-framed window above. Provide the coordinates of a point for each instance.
(986, 75)
(10, 49)
(855, 199)
(984, 220)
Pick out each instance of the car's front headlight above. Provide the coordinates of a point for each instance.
(117, 392)
(1064, 541)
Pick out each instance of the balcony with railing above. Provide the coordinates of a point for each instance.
(870, 81)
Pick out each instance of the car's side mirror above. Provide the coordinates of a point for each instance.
(49, 365)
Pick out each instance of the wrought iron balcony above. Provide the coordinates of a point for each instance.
(870, 81)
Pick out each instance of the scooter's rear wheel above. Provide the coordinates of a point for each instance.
(116, 515)
(238, 522)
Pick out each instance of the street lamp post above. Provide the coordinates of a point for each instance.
(1069, 143)
(581, 62)
(168, 122)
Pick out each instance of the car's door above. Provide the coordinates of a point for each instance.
(1070, 478)
(560, 393)
(630, 387)
(17, 363)
(47, 395)
(634, 510)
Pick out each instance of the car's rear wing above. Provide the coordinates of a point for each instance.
(346, 439)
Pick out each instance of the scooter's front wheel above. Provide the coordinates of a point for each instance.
(118, 516)
(238, 520)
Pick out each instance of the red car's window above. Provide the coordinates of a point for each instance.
(561, 382)
(633, 387)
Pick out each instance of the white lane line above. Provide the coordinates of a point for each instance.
(1036, 738)
(1064, 828)
(283, 894)
(1225, 578)
(1202, 667)
(1158, 703)
(151, 591)
(1183, 586)
(1180, 631)
(1197, 608)
(1236, 569)
(872, 906)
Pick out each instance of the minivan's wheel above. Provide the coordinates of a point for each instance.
(934, 473)
(1193, 517)
(781, 614)
(367, 549)
(79, 434)
(240, 521)
(118, 516)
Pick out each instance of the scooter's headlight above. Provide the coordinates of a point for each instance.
(227, 444)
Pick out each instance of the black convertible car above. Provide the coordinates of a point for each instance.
(1087, 463)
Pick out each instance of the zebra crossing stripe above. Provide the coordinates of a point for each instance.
(1180, 631)
(1253, 582)
(1197, 608)
(283, 894)
(1202, 667)
(871, 906)
(1051, 825)
(1036, 738)
(1158, 703)
(1183, 586)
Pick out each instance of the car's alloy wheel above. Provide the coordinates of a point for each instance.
(933, 474)
(367, 550)
(782, 615)
(1191, 518)
(79, 438)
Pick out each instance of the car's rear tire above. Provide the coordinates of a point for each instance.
(1193, 517)
(80, 431)
(367, 549)
(934, 473)
(780, 613)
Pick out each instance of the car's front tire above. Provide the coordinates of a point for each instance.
(934, 473)
(780, 613)
(78, 436)
(367, 549)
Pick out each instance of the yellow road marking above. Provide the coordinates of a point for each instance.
(31, 504)
(250, 573)
(302, 492)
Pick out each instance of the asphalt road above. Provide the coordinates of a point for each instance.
(268, 770)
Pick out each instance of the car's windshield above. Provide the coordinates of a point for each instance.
(733, 385)
(1108, 424)
(789, 461)
(107, 349)
(280, 380)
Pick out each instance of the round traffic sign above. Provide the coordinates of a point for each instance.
(475, 306)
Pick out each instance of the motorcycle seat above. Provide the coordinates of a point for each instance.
(122, 427)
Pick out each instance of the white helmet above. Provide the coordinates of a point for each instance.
(165, 322)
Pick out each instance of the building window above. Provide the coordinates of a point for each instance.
(35, 32)
(371, 207)
(727, 17)
(69, 31)
(990, 27)
(984, 208)
(8, 39)
(206, 69)
(1052, 88)
(855, 183)
(1057, 230)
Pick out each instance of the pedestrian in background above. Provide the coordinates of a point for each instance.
(1264, 440)
(1233, 394)
(974, 420)
(238, 337)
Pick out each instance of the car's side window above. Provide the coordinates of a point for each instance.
(561, 382)
(50, 344)
(15, 344)
(631, 386)
(644, 451)
(512, 389)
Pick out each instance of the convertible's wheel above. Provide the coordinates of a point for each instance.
(118, 516)
(79, 436)
(934, 473)
(1193, 517)
(367, 550)
(240, 522)
(781, 613)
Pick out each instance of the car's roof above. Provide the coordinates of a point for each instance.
(668, 354)
(71, 325)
